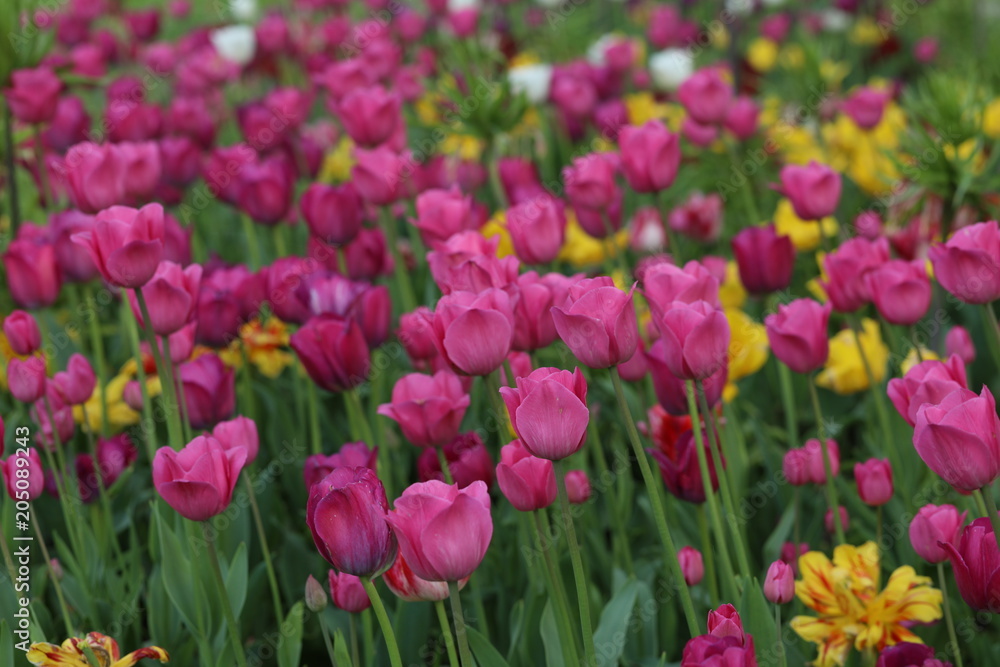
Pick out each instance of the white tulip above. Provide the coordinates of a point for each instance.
(670, 68)
(835, 20)
(235, 43)
(596, 52)
(532, 80)
(243, 10)
(460, 5)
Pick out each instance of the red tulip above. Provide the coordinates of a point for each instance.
(198, 480)
(548, 411)
(333, 351)
(679, 467)
(598, 323)
(406, 585)
(428, 409)
(22, 333)
(933, 526)
(348, 593)
(813, 189)
(967, 265)
(126, 244)
(651, 156)
(765, 260)
(699, 218)
(797, 334)
(474, 332)
(929, 382)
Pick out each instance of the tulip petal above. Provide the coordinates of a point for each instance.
(455, 541)
(552, 421)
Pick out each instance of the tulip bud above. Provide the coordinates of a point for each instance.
(316, 598)
(577, 486)
(706, 96)
(528, 482)
(696, 338)
(22, 333)
(348, 592)
(548, 410)
(797, 334)
(933, 526)
(651, 156)
(26, 379)
(779, 585)
(765, 260)
(874, 478)
(692, 565)
(959, 342)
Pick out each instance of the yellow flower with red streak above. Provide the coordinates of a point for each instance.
(851, 609)
(105, 649)
(265, 345)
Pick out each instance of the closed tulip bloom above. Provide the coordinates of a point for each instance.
(928, 382)
(959, 342)
(266, 188)
(795, 467)
(239, 432)
(813, 189)
(333, 212)
(443, 213)
(401, 580)
(315, 597)
(967, 264)
(209, 390)
(26, 379)
(126, 244)
(866, 106)
(114, 456)
(333, 351)
(548, 411)
(23, 474)
(813, 450)
(598, 323)
(706, 96)
(725, 622)
(534, 327)
(219, 314)
(741, 118)
(900, 290)
(975, 560)
(765, 260)
(468, 461)
(416, 334)
(171, 295)
(797, 334)
(76, 384)
(142, 170)
(74, 262)
(874, 478)
(377, 175)
(692, 565)
(590, 182)
(959, 438)
(671, 391)
(198, 481)
(23, 335)
(347, 516)
(370, 116)
(33, 275)
(651, 155)
(350, 455)
(443, 532)
(710, 650)
(696, 339)
(699, 218)
(933, 526)
(779, 584)
(847, 268)
(664, 283)
(537, 229)
(528, 482)
(348, 593)
(69, 125)
(577, 486)
(909, 654)
(33, 94)
(474, 332)
(679, 467)
(428, 408)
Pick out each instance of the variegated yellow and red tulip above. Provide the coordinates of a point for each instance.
(72, 653)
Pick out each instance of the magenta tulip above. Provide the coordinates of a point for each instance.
(333, 213)
(909, 654)
(198, 480)
(548, 412)
(209, 390)
(933, 526)
(428, 408)
(651, 156)
(23, 335)
(171, 295)
(23, 475)
(741, 118)
(706, 96)
(959, 342)
(474, 332)
(534, 327)
(847, 268)
(26, 379)
(528, 482)
(866, 106)
(126, 244)
(590, 182)
(696, 339)
(598, 323)
(813, 189)
(350, 455)
(765, 260)
(76, 384)
(692, 565)
(467, 458)
(975, 560)
(537, 229)
(967, 265)
(33, 276)
(443, 213)
(699, 218)
(370, 115)
(240, 432)
(33, 94)
(874, 478)
(377, 175)
(333, 351)
(929, 382)
(797, 334)
(900, 290)
(348, 593)
(578, 488)
(779, 584)
(664, 283)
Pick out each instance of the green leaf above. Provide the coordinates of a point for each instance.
(484, 652)
(758, 617)
(610, 636)
(550, 638)
(176, 574)
(341, 655)
(6, 644)
(236, 579)
(290, 647)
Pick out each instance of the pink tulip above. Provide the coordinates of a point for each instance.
(350, 455)
(466, 263)
(578, 489)
(416, 334)
(209, 390)
(69, 126)
(333, 213)
(347, 516)
(534, 327)
(813, 451)
(699, 218)
(779, 584)
(142, 170)
(929, 382)
(901, 291)
(765, 260)
(548, 411)
(590, 182)
(219, 315)
(333, 351)
(378, 174)
(874, 478)
(866, 106)
(726, 622)
(22, 333)
(23, 474)
(443, 532)
(428, 409)
(664, 283)
(975, 561)
(959, 342)
(696, 339)
(698, 134)
(706, 96)
(370, 116)
(797, 334)
(926, 49)
(741, 118)
(813, 189)
(26, 379)
(519, 179)
(171, 295)
(828, 521)
(537, 229)
(967, 265)
(847, 268)
(266, 188)
(442, 214)
(651, 156)
(348, 593)
(795, 467)
(598, 323)
(33, 275)
(933, 526)
(126, 244)
(959, 438)
(240, 432)
(671, 391)
(635, 369)
(407, 586)
(692, 565)
(76, 384)
(33, 94)
(474, 332)
(114, 456)
(467, 458)
(74, 261)
(198, 480)
(180, 160)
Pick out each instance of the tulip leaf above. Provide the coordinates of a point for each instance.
(758, 617)
(176, 573)
(341, 656)
(483, 651)
(6, 644)
(612, 629)
(236, 579)
(550, 638)
(290, 646)
(780, 534)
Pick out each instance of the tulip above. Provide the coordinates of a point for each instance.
(909, 654)
(664, 283)
(671, 391)
(455, 269)
(347, 516)
(692, 565)
(114, 456)
(865, 107)
(22, 333)
(443, 531)
(706, 650)
(598, 323)
(54, 418)
(171, 295)
(574, 94)
(32, 273)
(874, 478)
(370, 116)
(741, 118)
(519, 179)
(416, 334)
(333, 213)
(779, 584)
(69, 126)
(670, 68)
(367, 305)
(706, 96)
(577, 486)
(240, 432)
(698, 134)
(76, 384)
(765, 259)
(33, 94)
(180, 160)
(929, 382)
(285, 293)
(959, 342)
(377, 175)
(209, 390)
(74, 262)
(235, 43)
(126, 244)
(959, 438)
(901, 291)
(534, 327)
(976, 563)
(797, 334)
(442, 214)
(813, 450)
(726, 622)
(933, 526)
(651, 156)
(699, 218)
(635, 369)
(537, 229)
(533, 80)
(142, 170)
(23, 474)
(333, 351)
(219, 315)
(828, 519)
(26, 379)
(590, 182)
(351, 455)
(790, 553)
(95, 176)
(198, 481)
(266, 188)
(429, 409)
(696, 339)
(528, 482)
(315, 597)
(548, 412)
(474, 332)
(467, 458)
(795, 467)
(407, 586)
(813, 189)
(967, 264)
(680, 469)
(348, 593)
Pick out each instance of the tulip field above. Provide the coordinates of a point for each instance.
(488, 333)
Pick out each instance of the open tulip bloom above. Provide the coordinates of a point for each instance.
(508, 333)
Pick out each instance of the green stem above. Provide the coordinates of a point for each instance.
(280, 247)
(992, 334)
(97, 345)
(449, 639)
(315, 436)
(709, 553)
(383, 621)
(878, 528)
(553, 582)
(52, 574)
(326, 639)
(582, 596)
(43, 172)
(148, 425)
(253, 248)
(878, 396)
(169, 393)
(404, 286)
(617, 516)
(955, 649)
(463, 638)
(272, 578)
(355, 654)
(831, 487)
(781, 636)
(788, 400)
(746, 189)
(12, 189)
(359, 410)
(181, 396)
(659, 517)
(443, 462)
(220, 589)
(991, 510)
